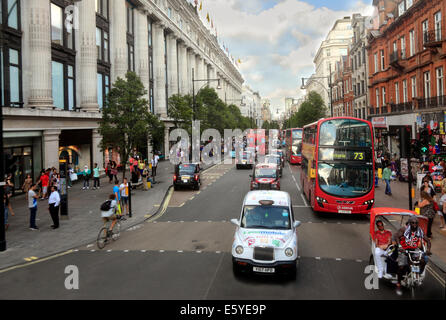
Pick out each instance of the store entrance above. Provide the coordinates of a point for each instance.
(18, 163)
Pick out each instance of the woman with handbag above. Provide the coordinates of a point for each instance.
(426, 206)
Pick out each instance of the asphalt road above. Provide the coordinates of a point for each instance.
(185, 254)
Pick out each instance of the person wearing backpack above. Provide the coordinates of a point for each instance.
(108, 211)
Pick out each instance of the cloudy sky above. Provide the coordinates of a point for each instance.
(276, 40)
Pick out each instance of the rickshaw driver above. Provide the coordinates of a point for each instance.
(410, 238)
(383, 238)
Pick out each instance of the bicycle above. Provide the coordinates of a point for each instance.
(106, 235)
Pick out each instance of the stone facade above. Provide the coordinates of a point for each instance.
(64, 79)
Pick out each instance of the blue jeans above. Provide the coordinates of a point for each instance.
(388, 191)
(32, 217)
(6, 215)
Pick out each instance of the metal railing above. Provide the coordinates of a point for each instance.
(401, 107)
(433, 102)
(433, 36)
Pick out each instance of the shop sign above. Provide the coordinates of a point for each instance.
(379, 122)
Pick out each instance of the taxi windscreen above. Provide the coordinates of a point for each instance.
(186, 169)
(266, 217)
(265, 173)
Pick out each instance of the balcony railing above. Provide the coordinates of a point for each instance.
(395, 60)
(372, 110)
(433, 38)
(401, 107)
(433, 102)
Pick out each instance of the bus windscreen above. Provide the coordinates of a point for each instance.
(345, 133)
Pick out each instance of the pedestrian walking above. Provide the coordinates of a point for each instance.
(9, 189)
(114, 172)
(54, 202)
(117, 194)
(97, 183)
(387, 173)
(27, 185)
(145, 175)
(32, 205)
(154, 163)
(86, 174)
(442, 212)
(426, 206)
(124, 189)
(44, 181)
(6, 211)
(108, 172)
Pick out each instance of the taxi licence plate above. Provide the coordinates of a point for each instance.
(263, 270)
(345, 211)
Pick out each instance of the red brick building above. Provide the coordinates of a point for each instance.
(407, 62)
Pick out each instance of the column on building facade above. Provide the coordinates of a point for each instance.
(51, 148)
(221, 92)
(203, 69)
(166, 141)
(119, 36)
(98, 156)
(40, 86)
(88, 57)
(190, 66)
(159, 69)
(172, 63)
(198, 72)
(183, 68)
(142, 50)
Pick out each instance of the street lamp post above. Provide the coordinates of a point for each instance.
(323, 86)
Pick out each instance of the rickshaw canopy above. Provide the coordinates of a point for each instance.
(377, 212)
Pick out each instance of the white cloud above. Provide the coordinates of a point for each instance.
(283, 39)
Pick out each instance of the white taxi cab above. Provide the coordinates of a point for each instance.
(265, 239)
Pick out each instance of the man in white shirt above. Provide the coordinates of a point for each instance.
(154, 162)
(54, 202)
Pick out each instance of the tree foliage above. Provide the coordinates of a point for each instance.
(126, 121)
(311, 110)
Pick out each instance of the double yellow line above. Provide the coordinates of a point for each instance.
(34, 260)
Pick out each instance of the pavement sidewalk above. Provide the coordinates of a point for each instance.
(84, 220)
(400, 199)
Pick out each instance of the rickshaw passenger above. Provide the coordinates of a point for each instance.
(410, 238)
(383, 238)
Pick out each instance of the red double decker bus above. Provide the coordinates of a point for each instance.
(293, 138)
(337, 165)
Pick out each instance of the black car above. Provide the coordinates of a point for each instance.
(187, 175)
(246, 161)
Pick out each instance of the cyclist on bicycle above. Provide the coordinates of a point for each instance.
(112, 213)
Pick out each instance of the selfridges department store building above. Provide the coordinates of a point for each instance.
(54, 78)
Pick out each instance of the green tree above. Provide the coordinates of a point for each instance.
(180, 110)
(126, 122)
(311, 110)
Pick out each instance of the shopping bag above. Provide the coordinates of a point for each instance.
(73, 177)
(380, 173)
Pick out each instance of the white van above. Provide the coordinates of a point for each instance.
(265, 240)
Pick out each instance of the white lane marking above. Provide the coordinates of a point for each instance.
(89, 246)
(318, 258)
(338, 259)
(303, 198)
(143, 251)
(180, 251)
(359, 260)
(198, 251)
(162, 251)
(109, 251)
(300, 206)
(126, 251)
(92, 250)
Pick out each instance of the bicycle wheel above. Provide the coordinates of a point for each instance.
(102, 238)
(116, 232)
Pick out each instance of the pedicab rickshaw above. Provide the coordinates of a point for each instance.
(395, 219)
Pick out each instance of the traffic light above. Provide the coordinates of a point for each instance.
(424, 142)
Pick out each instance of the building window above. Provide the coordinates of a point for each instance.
(397, 93)
(377, 97)
(403, 47)
(56, 24)
(151, 79)
(425, 27)
(405, 95)
(10, 54)
(384, 95)
(102, 8)
(376, 62)
(440, 82)
(382, 60)
(413, 81)
(409, 4)
(102, 45)
(63, 85)
(103, 83)
(438, 26)
(427, 85)
(130, 37)
(412, 42)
